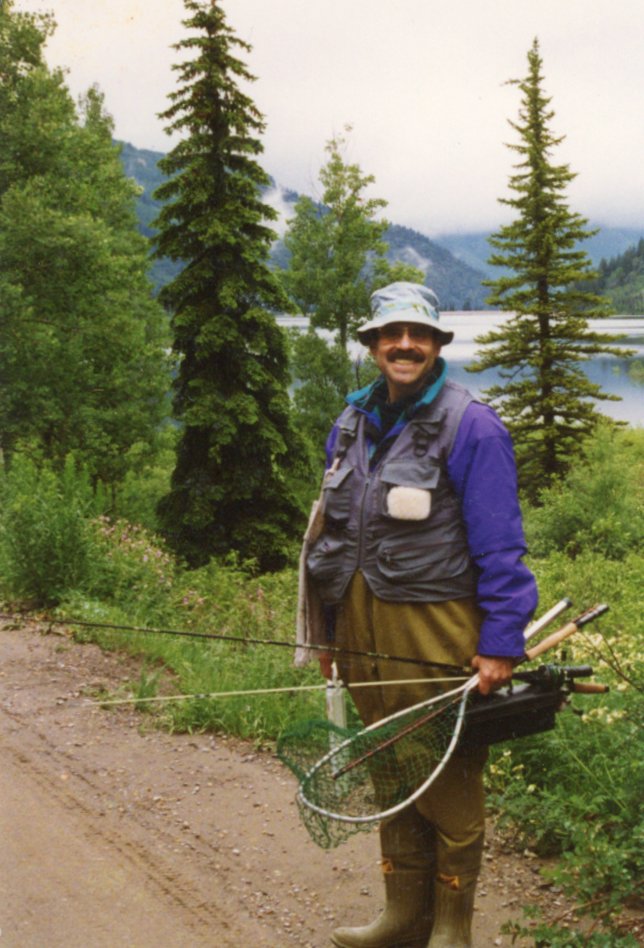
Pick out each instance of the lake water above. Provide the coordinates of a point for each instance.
(615, 376)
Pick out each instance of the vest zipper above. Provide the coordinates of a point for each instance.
(363, 522)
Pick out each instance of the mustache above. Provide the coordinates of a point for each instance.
(407, 354)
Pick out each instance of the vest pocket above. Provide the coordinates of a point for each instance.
(324, 556)
(337, 497)
(413, 558)
(403, 560)
(407, 488)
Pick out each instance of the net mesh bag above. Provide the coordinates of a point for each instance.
(349, 776)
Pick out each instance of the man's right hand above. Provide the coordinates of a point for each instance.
(493, 672)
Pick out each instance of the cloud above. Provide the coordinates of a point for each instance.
(422, 82)
(275, 198)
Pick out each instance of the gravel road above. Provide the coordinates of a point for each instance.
(116, 833)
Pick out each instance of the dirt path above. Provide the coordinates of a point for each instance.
(114, 833)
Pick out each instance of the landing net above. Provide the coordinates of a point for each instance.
(349, 777)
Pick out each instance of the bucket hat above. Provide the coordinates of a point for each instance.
(404, 303)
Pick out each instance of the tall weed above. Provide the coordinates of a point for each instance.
(46, 544)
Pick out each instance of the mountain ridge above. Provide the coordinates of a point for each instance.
(455, 264)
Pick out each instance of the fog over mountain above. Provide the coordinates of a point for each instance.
(454, 264)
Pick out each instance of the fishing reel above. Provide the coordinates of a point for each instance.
(529, 707)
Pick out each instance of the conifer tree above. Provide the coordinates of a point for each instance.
(544, 396)
(234, 487)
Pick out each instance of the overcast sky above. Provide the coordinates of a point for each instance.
(422, 82)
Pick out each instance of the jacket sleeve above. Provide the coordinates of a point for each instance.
(329, 447)
(482, 469)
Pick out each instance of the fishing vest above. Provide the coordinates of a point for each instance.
(411, 545)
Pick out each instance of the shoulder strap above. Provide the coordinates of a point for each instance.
(348, 424)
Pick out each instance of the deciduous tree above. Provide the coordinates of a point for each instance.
(82, 341)
(331, 244)
(337, 259)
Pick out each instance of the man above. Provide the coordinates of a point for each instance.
(420, 557)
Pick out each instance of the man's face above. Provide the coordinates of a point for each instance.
(405, 353)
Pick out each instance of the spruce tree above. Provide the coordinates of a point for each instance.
(545, 397)
(235, 484)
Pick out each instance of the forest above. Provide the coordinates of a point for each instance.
(622, 279)
(158, 463)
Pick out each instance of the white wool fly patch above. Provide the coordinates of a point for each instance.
(409, 503)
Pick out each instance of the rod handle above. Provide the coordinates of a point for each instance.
(565, 631)
(588, 688)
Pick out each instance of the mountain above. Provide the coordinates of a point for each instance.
(474, 249)
(142, 165)
(457, 284)
(455, 264)
(616, 252)
(622, 279)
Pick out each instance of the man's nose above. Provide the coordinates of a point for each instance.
(405, 339)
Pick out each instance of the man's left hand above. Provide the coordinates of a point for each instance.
(493, 672)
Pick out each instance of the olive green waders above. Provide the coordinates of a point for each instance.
(447, 822)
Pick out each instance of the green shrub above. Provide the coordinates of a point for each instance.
(132, 570)
(575, 792)
(600, 505)
(46, 546)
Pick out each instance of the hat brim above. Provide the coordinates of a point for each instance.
(364, 331)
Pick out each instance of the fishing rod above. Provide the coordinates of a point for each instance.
(534, 627)
(236, 639)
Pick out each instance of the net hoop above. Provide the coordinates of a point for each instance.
(470, 685)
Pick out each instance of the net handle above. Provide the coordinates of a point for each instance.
(588, 688)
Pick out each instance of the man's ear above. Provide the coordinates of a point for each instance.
(372, 341)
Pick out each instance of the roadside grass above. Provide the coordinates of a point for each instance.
(260, 609)
(575, 792)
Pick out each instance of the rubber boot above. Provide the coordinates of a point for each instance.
(453, 910)
(409, 870)
(403, 923)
